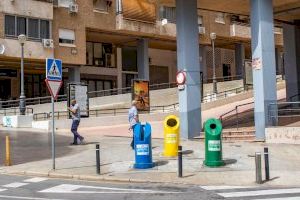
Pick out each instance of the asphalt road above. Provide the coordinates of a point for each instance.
(34, 188)
(28, 147)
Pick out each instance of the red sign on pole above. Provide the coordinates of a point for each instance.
(53, 87)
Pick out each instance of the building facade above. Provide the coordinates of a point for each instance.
(107, 43)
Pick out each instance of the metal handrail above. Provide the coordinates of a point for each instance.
(97, 112)
(14, 111)
(226, 93)
(283, 110)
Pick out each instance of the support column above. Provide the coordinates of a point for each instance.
(188, 60)
(263, 62)
(119, 67)
(291, 42)
(74, 74)
(239, 59)
(143, 59)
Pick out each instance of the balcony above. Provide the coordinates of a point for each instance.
(42, 9)
(156, 28)
(33, 50)
(243, 31)
(240, 31)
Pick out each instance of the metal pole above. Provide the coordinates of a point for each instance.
(7, 157)
(22, 95)
(53, 135)
(180, 161)
(258, 168)
(98, 158)
(215, 90)
(267, 169)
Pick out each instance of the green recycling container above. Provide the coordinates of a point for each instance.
(213, 143)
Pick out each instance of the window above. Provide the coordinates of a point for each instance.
(129, 59)
(168, 13)
(33, 28)
(66, 36)
(200, 20)
(99, 54)
(65, 3)
(21, 25)
(10, 25)
(101, 5)
(220, 18)
(44, 29)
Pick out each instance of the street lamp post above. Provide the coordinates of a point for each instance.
(213, 37)
(22, 40)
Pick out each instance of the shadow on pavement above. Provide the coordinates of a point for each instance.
(161, 163)
(29, 147)
(230, 161)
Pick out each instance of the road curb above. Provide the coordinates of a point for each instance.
(52, 174)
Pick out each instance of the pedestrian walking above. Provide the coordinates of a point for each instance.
(133, 119)
(75, 113)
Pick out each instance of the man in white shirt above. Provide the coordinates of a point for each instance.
(75, 113)
(133, 119)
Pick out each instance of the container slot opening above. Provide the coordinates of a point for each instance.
(213, 126)
(172, 122)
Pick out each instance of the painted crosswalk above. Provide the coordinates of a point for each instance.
(46, 187)
(255, 192)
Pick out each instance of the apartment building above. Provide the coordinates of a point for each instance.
(106, 43)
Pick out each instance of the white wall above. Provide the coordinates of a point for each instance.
(28, 8)
(34, 50)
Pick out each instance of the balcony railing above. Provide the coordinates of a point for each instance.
(242, 30)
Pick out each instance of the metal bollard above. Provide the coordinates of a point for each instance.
(267, 168)
(180, 161)
(258, 167)
(7, 157)
(98, 158)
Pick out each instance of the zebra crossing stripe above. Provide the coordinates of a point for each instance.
(259, 193)
(225, 187)
(2, 190)
(35, 180)
(15, 185)
(282, 198)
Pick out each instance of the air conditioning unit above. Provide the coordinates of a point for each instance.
(48, 43)
(201, 30)
(73, 8)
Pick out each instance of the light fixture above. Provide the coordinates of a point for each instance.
(213, 36)
(22, 39)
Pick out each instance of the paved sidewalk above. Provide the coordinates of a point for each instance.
(117, 160)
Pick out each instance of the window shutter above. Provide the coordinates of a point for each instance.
(141, 10)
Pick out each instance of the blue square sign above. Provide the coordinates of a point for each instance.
(53, 69)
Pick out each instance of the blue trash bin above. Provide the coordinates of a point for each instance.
(143, 148)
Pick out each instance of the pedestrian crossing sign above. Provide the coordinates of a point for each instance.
(53, 69)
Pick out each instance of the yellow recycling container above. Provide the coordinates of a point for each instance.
(171, 136)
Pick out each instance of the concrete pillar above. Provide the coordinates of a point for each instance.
(188, 60)
(119, 67)
(291, 41)
(74, 74)
(239, 59)
(263, 62)
(143, 59)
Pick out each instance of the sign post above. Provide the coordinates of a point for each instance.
(54, 83)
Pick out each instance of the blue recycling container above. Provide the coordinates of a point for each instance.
(143, 148)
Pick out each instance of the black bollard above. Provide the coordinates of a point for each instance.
(98, 158)
(180, 161)
(267, 168)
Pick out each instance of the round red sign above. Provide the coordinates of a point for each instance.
(180, 78)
